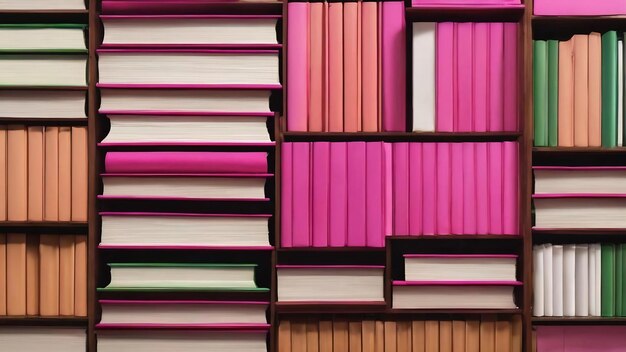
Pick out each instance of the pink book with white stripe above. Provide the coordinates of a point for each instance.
(394, 66)
(510, 77)
(445, 83)
(464, 76)
(356, 194)
(469, 189)
(401, 188)
(510, 189)
(496, 77)
(374, 196)
(495, 188)
(297, 78)
(443, 184)
(301, 195)
(481, 72)
(415, 189)
(286, 204)
(482, 189)
(456, 188)
(338, 208)
(429, 190)
(321, 193)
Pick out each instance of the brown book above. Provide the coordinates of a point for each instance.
(503, 335)
(3, 173)
(487, 335)
(49, 274)
(66, 274)
(380, 336)
(458, 336)
(32, 275)
(368, 333)
(390, 336)
(312, 337)
(419, 337)
(403, 336)
(354, 330)
(80, 276)
(431, 336)
(3, 274)
(79, 174)
(445, 336)
(16, 274)
(340, 336)
(595, 89)
(516, 334)
(472, 336)
(51, 172)
(65, 173)
(35, 172)
(17, 173)
(326, 336)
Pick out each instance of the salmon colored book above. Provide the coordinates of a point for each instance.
(316, 66)
(312, 337)
(3, 274)
(581, 90)
(403, 338)
(503, 335)
(3, 173)
(66, 274)
(369, 32)
(431, 338)
(79, 174)
(49, 274)
(298, 336)
(516, 334)
(35, 172)
(326, 72)
(350, 69)
(445, 336)
(16, 274)
(355, 338)
(340, 336)
(566, 94)
(326, 336)
(472, 336)
(390, 336)
(65, 173)
(380, 336)
(335, 66)
(284, 336)
(595, 90)
(487, 335)
(51, 173)
(17, 171)
(368, 331)
(80, 276)
(418, 337)
(32, 275)
(458, 336)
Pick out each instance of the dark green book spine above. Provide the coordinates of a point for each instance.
(608, 280)
(540, 92)
(553, 93)
(609, 89)
(619, 281)
(622, 297)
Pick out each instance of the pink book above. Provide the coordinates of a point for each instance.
(321, 195)
(582, 338)
(286, 190)
(429, 190)
(335, 67)
(356, 194)
(316, 60)
(510, 189)
(394, 66)
(496, 77)
(388, 189)
(495, 187)
(464, 51)
(401, 189)
(457, 178)
(301, 194)
(415, 189)
(369, 31)
(482, 189)
(578, 8)
(185, 162)
(466, 3)
(443, 185)
(510, 77)
(338, 209)
(350, 67)
(445, 83)
(481, 72)
(297, 65)
(374, 176)
(469, 189)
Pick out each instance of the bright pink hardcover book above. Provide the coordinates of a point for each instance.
(356, 194)
(321, 193)
(415, 189)
(579, 8)
(401, 189)
(469, 188)
(582, 338)
(286, 201)
(510, 189)
(481, 72)
(394, 66)
(465, 79)
(338, 209)
(445, 83)
(482, 189)
(297, 65)
(301, 194)
(429, 190)
(495, 188)
(443, 185)
(457, 175)
(511, 81)
(496, 77)
(374, 185)
(388, 189)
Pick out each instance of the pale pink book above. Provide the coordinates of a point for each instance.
(566, 93)
(316, 59)
(388, 189)
(429, 189)
(401, 189)
(335, 67)
(510, 189)
(356, 194)
(496, 77)
(301, 195)
(482, 189)
(320, 193)
(511, 80)
(369, 32)
(469, 188)
(495, 187)
(394, 66)
(338, 209)
(415, 189)
(445, 83)
(456, 188)
(350, 67)
(481, 72)
(374, 201)
(297, 62)
(442, 186)
(465, 79)
(579, 8)
(581, 90)
(286, 190)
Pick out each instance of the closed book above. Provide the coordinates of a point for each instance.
(464, 76)
(582, 280)
(511, 77)
(16, 274)
(557, 278)
(510, 189)
(51, 174)
(538, 282)
(429, 168)
(374, 196)
(17, 171)
(495, 152)
(553, 93)
(595, 277)
(487, 334)
(445, 335)
(3, 274)
(356, 166)
(416, 205)
(297, 111)
(123, 341)
(369, 32)
(49, 274)
(42, 5)
(458, 336)
(350, 67)
(578, 8)
(482, 189)
(335, 67)
(301, 194)
(540, 90)
(3, 173)
(431, 335)
(42, 38)
(424, 73)
(608, 280)
(79, 174)
(444, 177)
(393, 38)
(595, 90)
(32, 275)
(581, 90)
(320, 196)
(36, 338)
(620, 92)
(338, 208)
(569, 280)
(480, 73)
(609, 89)
(36, 172)
(66, 274)
(566, 93)
(496, 76)
(457, 188)
(621, 292)
(316, 64)
(33, 103)
(619, 279)
(286, 190)
(401, 189)
(65, 173)
(48, 70)
(548, 281)
(503, 335)
(445, 80)
(80, 276)
(472, 336)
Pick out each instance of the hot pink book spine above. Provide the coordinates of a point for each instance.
(297, 53)
(388, 189)
(374, 176)
(335, 67)
(580, 168)
(469, 189)
(495, 188)
(496, 77)
(465, 79)
(321, 193)
(510, 189)
(457, 177)
(580, 338)
(338, 209)
(401, 188)
(301, 195)
(316, 61)
(415, 189)
(286, 204)
(481, 72)
(445, 83)
(482, 189)
(394, 66)
(356, 194)
(429, 190)
(511, 81)
(443, 184)
(579, 8)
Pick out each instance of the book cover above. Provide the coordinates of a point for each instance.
(356, 231)
(609, 89)
(540, 89)
(297, 78)
(320, 193)
(581, 90)
(553, 93)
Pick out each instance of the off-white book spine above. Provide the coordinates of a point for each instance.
(557, 277)
(582, 280)
(424, 76)
(597, 249)
(592, 281)
(548, 281)
(569, 280)
(538, 306)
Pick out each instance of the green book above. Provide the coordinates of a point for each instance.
(553, 93)
(619, 273)
(608, 280)
(540, 92)
(609, 89)
(622, 279)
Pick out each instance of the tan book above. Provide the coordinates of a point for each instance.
(390, 336)
(581, 90)
(472, 336)
(51, 173)
(503, 335)
(3, 274)
(445, 336)
(418, 334)
(49, 274)
(65, 173)
(80, 276)
(298, 336)
(16, 274)
(312, 336)
(340, 336)
(284, 336)
(35, 172)
(368, 333)
(3, 173)
(516, 334)
(17, 172)
(595, 89)
(32, 275)
(354, 332)
(79, 174)
(458, 336)
(403, 336)
(380, 336)
(566, 94)
(326, 336)
(431, 336)
(66, 274)
(487, 335)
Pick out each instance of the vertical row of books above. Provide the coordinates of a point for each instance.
(188, 179)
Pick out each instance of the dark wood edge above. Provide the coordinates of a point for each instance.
(401, 136)
(579, 320)
(43, 321)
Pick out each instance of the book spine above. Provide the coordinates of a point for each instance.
(321, 193)
(286, 204)
(445, 82)
(394, 66)
(297, 65)
(356, 235)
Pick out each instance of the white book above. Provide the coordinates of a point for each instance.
(424, 52)
(538, 289)
(171, 230)
(35, 339)
(589, 213)
(582, 280)
(479, 267)
(597, 249)
(559, 180)
(192, 68)
(186, 100)
(569, 280)
(548, 281)
(620, 92)
(453, 297)
(173, 30)
(181, 341)
(557, 279)
(42, 4)
(186, 129)
(333, 283)
(22, 37)
(592, 282)
(42, 104)
(43, 70)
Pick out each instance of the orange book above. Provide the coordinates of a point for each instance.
(516, 334)
(445, 336)
(368, 330)
(66, 274)
(487, 335)
(581, 90)
(3, 274)
(17, 173)
(316, 63)
(312, 337)
(35, 172)
(79, 174)
(3, 173)
(431, 336)
(595, 90)
(51, 173)
(65, 173)
(417, 329)
(390, 336)
(472, 336)
(458, 336)
(369, 31)
(350, 69)
(80, 276)
(298, 336)
(355, 336)
(335, 67)
(503, 335)
(403, 336)
(49, 275)
(32, 275)
(566, 94)
(380, 336)
(326, 336)
(340, 336)
(16, 274)
(284, 336)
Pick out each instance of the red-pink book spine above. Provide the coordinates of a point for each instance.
(469, 188)
(394, 66)
(338, 209)
(356, 194)
(429, 190)
(321, 195)
(510, 77)
(464, 52)
(481, 72)
(482, 189)
(495, 188)
(374, 211)
(442, 183)
(335, 67)
(301, 195)
(388, 189)
(510, 189)
(286, 204)
(297, 65)
(401, 188)
(496, 77)
(456, 188)
(415, 189)
(445, 95)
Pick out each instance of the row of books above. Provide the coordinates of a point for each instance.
(43, 173)
(43, 275)
(346, 66)
(565, 338)
(465, 77)
(42, 5)
(355, 193)
(578, 91)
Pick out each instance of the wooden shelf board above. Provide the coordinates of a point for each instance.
(561, 150)
(42, 224)
(464, 13)
(401, 136)
(579, 320)
(43, 321)
(579, 232)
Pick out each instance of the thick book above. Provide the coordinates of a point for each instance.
(42, 104)
(42, 5)
(553, 93)
(579, 179)
(297, 82)
(80, 177)
(554, 211)
(49, 257)
(65, 173)
(393, 48)
(183, 340)
(424, 72)
(17, 173)
(35, 135)
(16, 273)
(460, 267)
(43, 70)
(607, 268)
(66, 274)
(51, 174)
(58, 38)
(52, 339)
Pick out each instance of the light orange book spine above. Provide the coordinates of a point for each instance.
(340, 336)
(503, 335)
(335, 68)
(16, 274)
(390, 336)
(350, 69)
(284, 336)
(404, 338)
(581, 89)
(418, 334)
(3, 274)
(298, 336)
(65, 173)
(368, 330)
(17, 175)
(35, 172)
(316, 61)
(80, 276)
(595, 90)
(66, 274)
(312, 337)
(380, 336)
(355, 336)
(79, 174)
(49, 274)
(32, 275)
(516, 334)
(566, 94)
(369, 29)
(458, 336)
(445, 336)
(487, 335)
(3, 173)
(51, 173)
(326, 336)
(472, 336)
